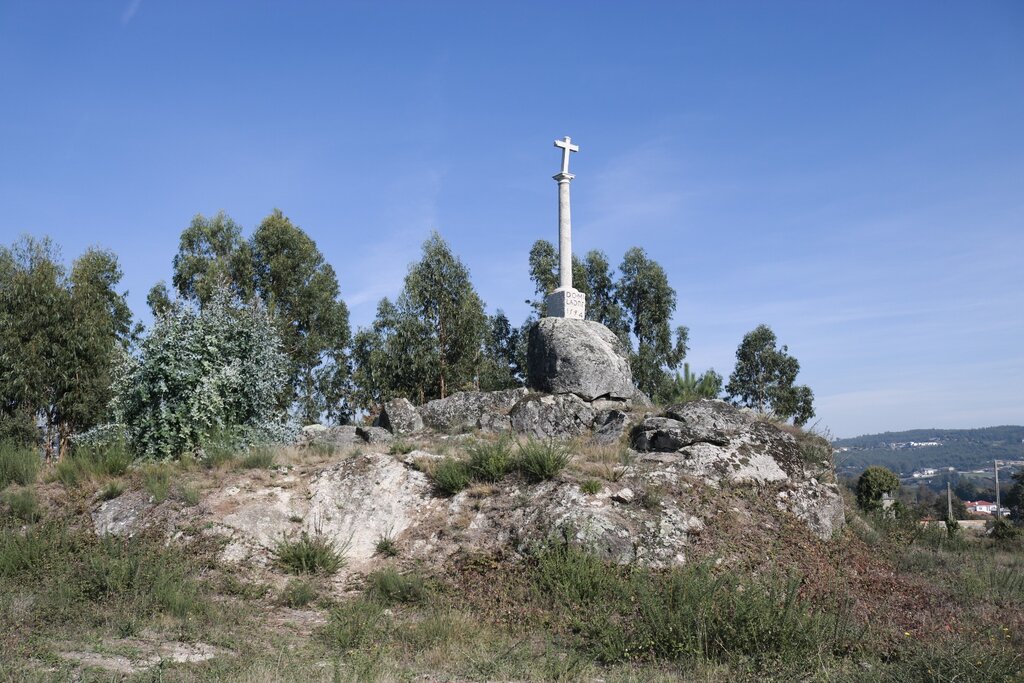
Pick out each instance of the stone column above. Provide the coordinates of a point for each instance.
(564, 232)
(565, 302)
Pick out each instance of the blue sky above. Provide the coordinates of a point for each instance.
(850, 173)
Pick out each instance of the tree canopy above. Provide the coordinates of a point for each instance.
(428, 343)
(765, 376)
(282, 267)
(60, 337)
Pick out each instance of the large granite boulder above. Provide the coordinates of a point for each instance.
(469, 410)
(399, 416)
(580, 357)
(563, 416)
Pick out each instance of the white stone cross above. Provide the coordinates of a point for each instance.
(567, 147)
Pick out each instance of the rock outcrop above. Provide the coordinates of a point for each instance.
(469, 410)
(580, 357)
(400, 417)
(551, 417)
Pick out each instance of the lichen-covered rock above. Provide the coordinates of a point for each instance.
(818, 505)
(551, 417)
(399, 416)
(610, 425)
(341, 436)
(462, 412)
(580, 357)
(375, 436)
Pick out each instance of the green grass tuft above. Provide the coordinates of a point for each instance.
(591, 486)
(22, 504)
(390, 587)
(18, 465)
(490, 461)
(257, 459)
(451, 476)
(309, 554)
(542, 460)
(298, 593)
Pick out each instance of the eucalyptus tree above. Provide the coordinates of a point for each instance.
(765, 378)
(281, 266)
(429, 342)
(649, 303)
(60, 337)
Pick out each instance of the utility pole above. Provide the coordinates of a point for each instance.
(998, 503)
(949, 501)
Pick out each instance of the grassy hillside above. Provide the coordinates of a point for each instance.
(883, 601)
(963, 449)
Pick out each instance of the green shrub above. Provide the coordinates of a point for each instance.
(298, 593)
(309, 554)
(389, 587)
(1002, 529)
(451, 476)
(22, 504)
(18, 465)
(490, 461)
(539, 460)
(590, 486)
(219, 366)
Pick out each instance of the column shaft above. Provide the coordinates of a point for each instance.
(564, 236)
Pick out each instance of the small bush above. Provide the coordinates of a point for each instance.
(451, 476)
(258, 459)
(22, 504)
(298, 593)
(18, 465)
(400, 447)
(309, 554)
(490, 461)
(1002, 529)
(590, 486)
(539, 460)
(389, 587)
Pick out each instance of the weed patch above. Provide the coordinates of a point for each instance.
(22, 504)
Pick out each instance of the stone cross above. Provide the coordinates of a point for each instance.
(565, 302)
(567, 147)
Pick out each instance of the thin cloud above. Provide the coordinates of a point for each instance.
(129, 11)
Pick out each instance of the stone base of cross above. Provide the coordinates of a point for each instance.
(567, 303)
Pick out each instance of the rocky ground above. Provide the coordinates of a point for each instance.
(657, 496)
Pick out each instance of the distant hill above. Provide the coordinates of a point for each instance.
(904, 452)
